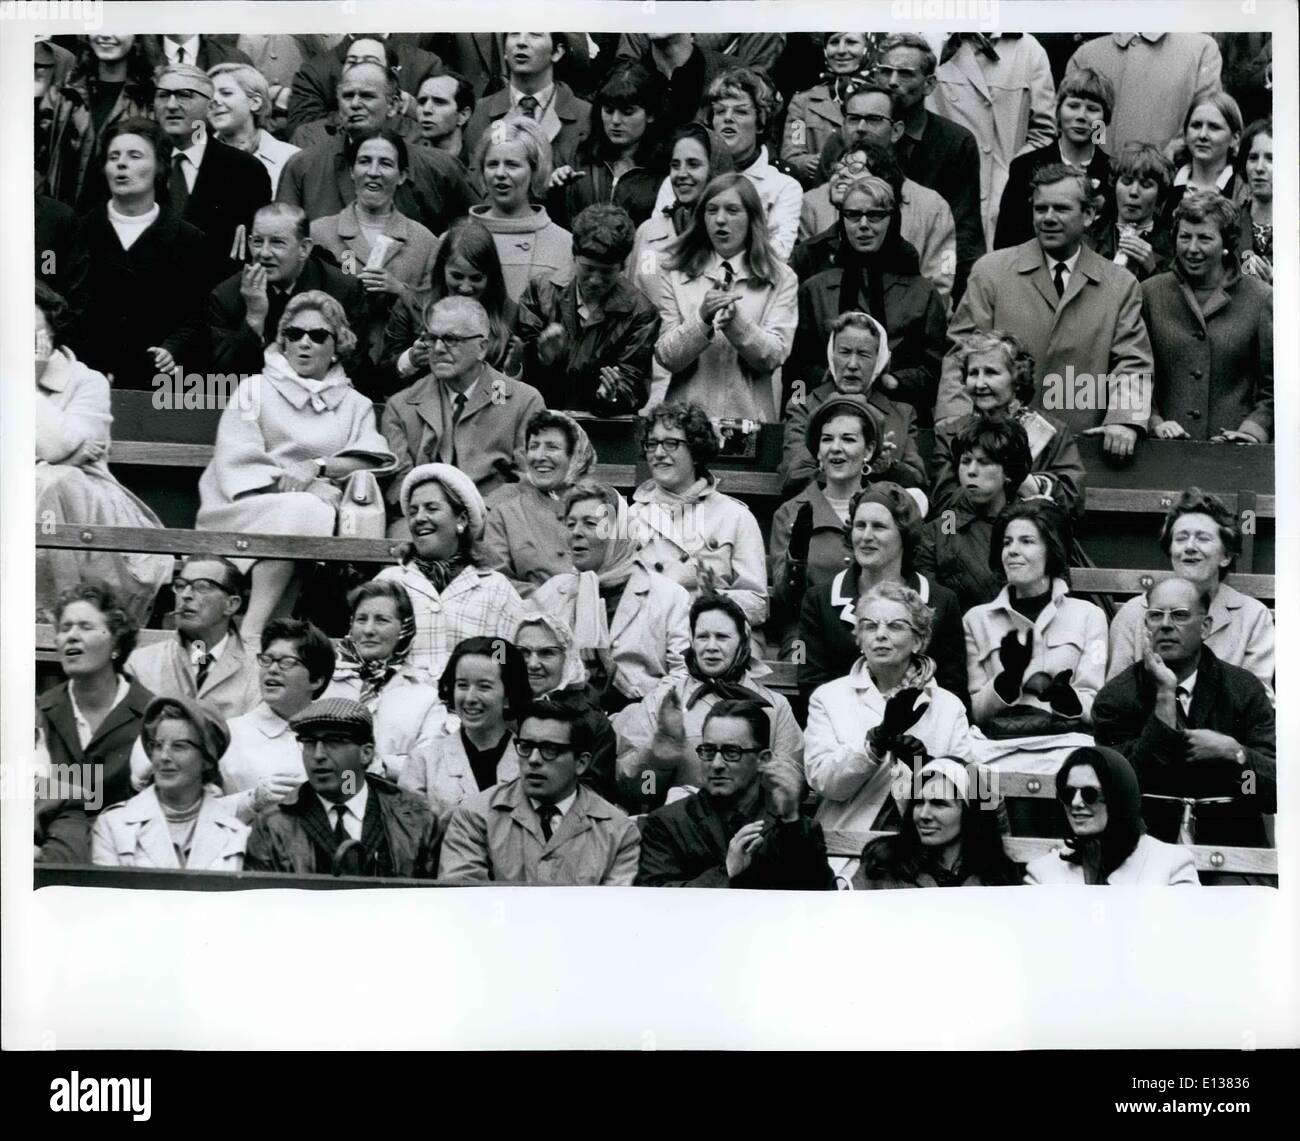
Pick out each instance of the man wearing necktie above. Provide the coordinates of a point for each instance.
(545, 826)
(1077, 313)
(344, 821)
(1192, 726)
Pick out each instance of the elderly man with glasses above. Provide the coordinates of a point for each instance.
(463, 411)
(204, 659)
(545, 826)
(1200, 733)
(744, 828)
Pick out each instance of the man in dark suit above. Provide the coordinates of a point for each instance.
(244, 310)
(533, 90)
(743, 829)
(932, 150)
(314, 96)
(203, 52)
(61, 262)
(215, 187)
(478, 56)
(1193, 727)
(319, 178)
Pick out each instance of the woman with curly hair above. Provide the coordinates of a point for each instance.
(683, 526)
(280, 470)
(727, 307)
(93, 718)
(950, 836)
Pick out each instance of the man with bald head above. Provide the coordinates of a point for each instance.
(1193, 727)
(462, 411)
(318, 178)
(214, 186)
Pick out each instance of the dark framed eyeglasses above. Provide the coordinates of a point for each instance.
(316, 336)
(331, 741)
(853, 217)
(547, 750)
(203, 587)
(184, 94)
(286, 662)
(452, 340)
(1179, 617)
(1091, 795)
(670, 444)
(867, 120)
(730, 753)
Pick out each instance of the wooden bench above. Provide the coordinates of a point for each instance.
(1207, 857)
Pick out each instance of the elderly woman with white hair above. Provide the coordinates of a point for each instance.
(454, 595)
(286, 444)
(513, 160)
(238, 112)
(872, 728)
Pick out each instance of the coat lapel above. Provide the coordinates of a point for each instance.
(230, 663)
(152, 836)
(1030, 262)
(633, 602)
(212, 835)
(57, 707)
(126, 711)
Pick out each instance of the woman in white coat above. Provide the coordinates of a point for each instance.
(868, 730)
(728, 307)
(485, 685)
(73, 483)
(181, 819)
(286, 443)
(1108, 844)
(372, 668)
(629, 623)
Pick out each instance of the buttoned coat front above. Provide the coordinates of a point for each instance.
(496, 837)
(1092, 331)
(134, 834)
(488, 440)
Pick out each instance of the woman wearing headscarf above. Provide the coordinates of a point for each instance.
(629, 623)
(556, 672)
(816, 115)
(1108, 843)
(950, 836)
(372, 667)
(180, 820)
(876, 272)
(657, 736)
(868, 730)
(525, 536)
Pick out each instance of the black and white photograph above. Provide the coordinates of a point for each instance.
(770, 462)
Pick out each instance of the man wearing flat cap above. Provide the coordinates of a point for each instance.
(344, 821)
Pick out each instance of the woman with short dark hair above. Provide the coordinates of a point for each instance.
(1201, 539)
(1211, 332)
(1255, 167)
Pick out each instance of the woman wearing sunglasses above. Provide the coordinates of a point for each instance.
(657, 736)
(286, 444)
(950, 836)
(485, 685)
(1107, 843)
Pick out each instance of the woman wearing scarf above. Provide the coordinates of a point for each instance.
(181, 819)
(286, 444)
(857, 356)
(682, 526)
(629, 623)
(658, 735)
(556, 672)
(878, 273)
(867, 731)
(816, 115)
(372, 668)
(949, 836)
(1108, 842)
(454, 595)
(525, 537)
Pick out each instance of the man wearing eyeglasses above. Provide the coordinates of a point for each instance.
(744, 828)
(205, 659)
(343, 820)
(545, 826)
(463, 411)
(1193, 727)
(211, 185)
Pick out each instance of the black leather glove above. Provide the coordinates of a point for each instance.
(900, 715)
(801, 534)
(1014, 658)
(1060, 695)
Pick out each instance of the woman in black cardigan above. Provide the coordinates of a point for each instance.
(94, 717)
(146, 286)
(876, 272)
